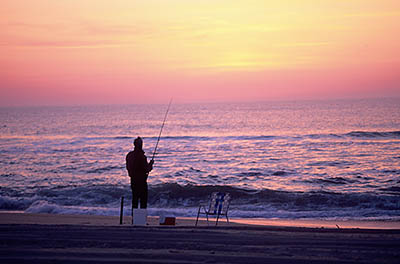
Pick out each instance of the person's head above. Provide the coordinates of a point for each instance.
(138, 143)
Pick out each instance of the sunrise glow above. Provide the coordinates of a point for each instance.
(100, 51)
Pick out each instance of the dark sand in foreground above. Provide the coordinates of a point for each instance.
(41, 238)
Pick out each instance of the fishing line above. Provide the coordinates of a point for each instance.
(162, 126)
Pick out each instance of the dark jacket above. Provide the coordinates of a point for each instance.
(137, 166)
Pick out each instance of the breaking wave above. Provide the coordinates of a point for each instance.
(376, 134)
(183, 200)
(352, 134)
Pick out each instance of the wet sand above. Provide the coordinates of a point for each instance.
(42, 238)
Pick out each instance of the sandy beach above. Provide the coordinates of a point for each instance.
(45, 238)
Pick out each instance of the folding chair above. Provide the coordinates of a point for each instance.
(218, 205)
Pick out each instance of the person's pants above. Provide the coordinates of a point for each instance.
(139, 193)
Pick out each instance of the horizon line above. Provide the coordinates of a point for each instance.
(199, 102)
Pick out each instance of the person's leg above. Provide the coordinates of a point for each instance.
(135, 197)
(143, 197)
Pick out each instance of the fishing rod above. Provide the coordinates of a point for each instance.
(162, 126)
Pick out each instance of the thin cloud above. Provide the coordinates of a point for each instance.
(373, 14)
(62, 44)
(304, 44)
(72, 35)
(103, 29)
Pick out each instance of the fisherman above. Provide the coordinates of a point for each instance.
(138, 169)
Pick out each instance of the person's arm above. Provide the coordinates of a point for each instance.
(126, 159)
(149, 165)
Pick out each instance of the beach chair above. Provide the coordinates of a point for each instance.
(218, 205)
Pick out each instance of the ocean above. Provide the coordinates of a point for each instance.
(336, 159)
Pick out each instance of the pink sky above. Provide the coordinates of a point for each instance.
(100, 51)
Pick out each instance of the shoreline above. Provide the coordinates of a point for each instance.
(19, 217)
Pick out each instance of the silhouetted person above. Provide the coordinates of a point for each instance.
(138, 169)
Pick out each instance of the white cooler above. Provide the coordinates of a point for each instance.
(139, 216)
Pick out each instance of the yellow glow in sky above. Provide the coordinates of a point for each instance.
(95, 51)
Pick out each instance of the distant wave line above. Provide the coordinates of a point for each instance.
(352, 134)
